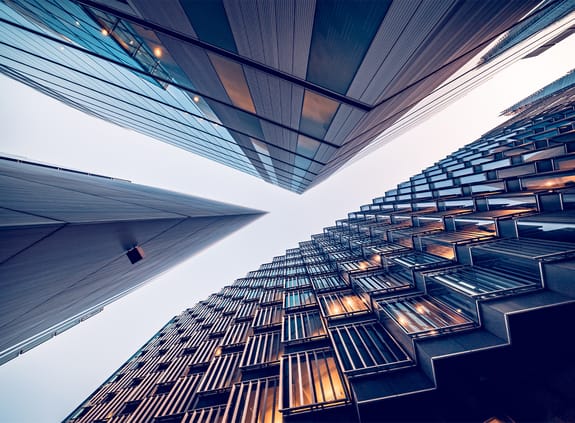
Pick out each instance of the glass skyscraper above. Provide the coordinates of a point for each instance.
(285, 91)
(449, 298)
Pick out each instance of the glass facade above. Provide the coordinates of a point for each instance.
(249, 85)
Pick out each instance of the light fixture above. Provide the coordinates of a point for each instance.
(196, 99)
(158, 52)
(104, 32)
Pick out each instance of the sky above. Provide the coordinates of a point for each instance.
(50, 381)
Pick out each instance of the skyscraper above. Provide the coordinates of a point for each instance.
(73, 242)
(285, 91)
(450, 298)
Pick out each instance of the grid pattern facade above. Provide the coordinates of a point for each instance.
(254, 89)
(353, 317)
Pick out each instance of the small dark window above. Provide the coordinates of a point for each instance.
(169, 419)
(162, 366)
(164, 388)
(135, 382)
(137, 365)
(162, 352)
(109, 397)
(184, 339)
(130, 407)
(189, 350)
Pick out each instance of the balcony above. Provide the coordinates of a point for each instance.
(422, 316)
(367, 348)
(311, 380)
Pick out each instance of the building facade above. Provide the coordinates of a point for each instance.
(286, 91)
(450, 298)
(72, 242)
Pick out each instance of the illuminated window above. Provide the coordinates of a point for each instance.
(311, 379)
(424, 316)
(341, 304)
(255, 401)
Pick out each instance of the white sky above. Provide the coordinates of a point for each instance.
(47, 383)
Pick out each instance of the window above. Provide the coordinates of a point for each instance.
(478, 282)
(296, 282)
(380, 282)
(236, 334)
(262, 349)
(341, 304)
(327, 283)
(424, 316)
(300, 298)
(164, 388)
(130, 407)
(311, 379)
(268, 317)
(255, 401)
(207, 415)
(300, 327)
(109, 397)
(162, 366)
(221, 373)
(367, 347)
(340, 39)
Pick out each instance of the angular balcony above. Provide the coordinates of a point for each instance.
(367, 348)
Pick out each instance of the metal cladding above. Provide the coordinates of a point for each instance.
(285, 91)
(450, 298)
(73, 242)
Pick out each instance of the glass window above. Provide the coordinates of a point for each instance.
(310, 379)
(300, 298)
(262, 349)
(342, 34)
(341, 304)
(268, 317)
(374, 282)
(236, 334)
(232, 76)
(548, 182)
(479, 282)
(299, 327)
(328, 282)
(210, 22)
(424, 316)
(254, 401)
(221, 372)
(316, 116)
(367, 347)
